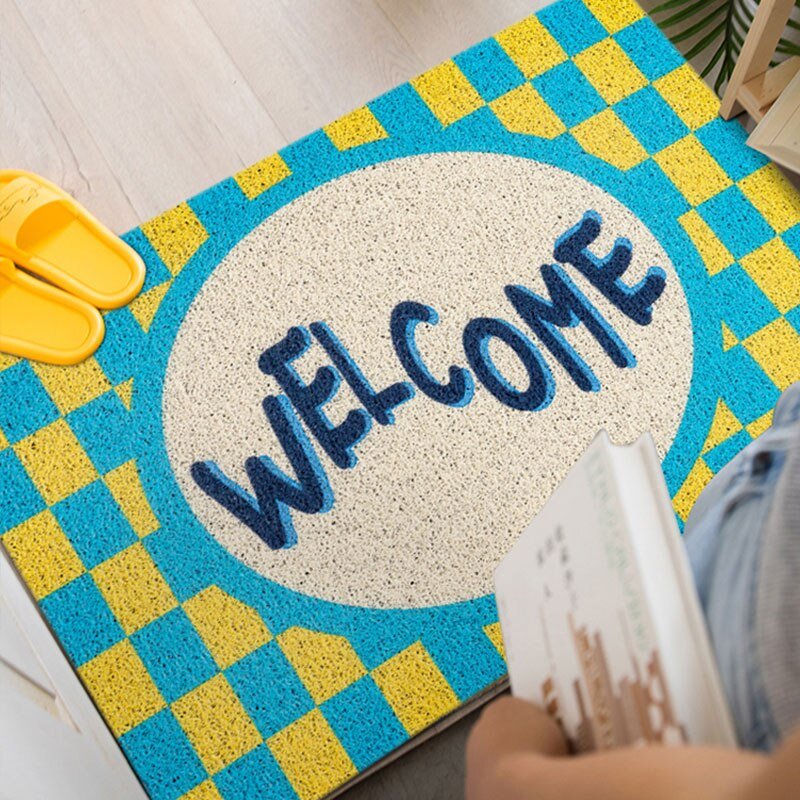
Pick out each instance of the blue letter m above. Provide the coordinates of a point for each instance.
(568, 307)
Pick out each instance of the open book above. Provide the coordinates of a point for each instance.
(600, 617)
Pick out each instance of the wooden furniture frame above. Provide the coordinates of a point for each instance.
(754, 85)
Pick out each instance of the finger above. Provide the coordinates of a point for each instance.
(656, 773)
(507, 726)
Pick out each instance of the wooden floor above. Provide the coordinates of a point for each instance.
(134, 105)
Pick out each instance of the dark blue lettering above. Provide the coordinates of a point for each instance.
(541, 388)
(379, 404)
(336, 440)
(267, 514)
(567, 307)
(604, 273)
(405, 318)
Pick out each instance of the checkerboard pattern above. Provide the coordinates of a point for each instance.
(212, 698)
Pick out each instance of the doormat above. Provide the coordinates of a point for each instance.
(262, 520)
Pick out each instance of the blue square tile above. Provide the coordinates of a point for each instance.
(726, 142)
(82, 619)
(162, 757)
(650, 119)
(94, 523)
(466, 676)
(187, 560)
(25, 405)
(737, 223)
(269, 689)
(744, 307)
(572, 24)
(103, 426)
(364, 723)
(723, 453)
(748, 391)
(19, 498)
(792, 239)
(174, 654)
(402, 113)
(569, 94)
(255, 776)
(662, 198)
(121, 350)
(649, 49)
(793, 318)
(489, 69)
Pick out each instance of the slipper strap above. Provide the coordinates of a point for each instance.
(19, 199)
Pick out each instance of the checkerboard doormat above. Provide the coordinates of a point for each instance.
(262, 519)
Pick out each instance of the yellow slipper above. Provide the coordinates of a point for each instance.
(41, 322)
(44, 230)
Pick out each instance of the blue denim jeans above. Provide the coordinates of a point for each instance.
(724, 537)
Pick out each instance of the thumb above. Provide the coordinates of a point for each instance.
(508, 726)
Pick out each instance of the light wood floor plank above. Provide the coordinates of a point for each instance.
(40, 129)
(168, 109)
(310, 61)
(438, 29)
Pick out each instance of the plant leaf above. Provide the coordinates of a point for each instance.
(679, 16)
(699, 26)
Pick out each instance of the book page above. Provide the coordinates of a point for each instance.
(578, 632)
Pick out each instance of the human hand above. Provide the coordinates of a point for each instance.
(517, 752)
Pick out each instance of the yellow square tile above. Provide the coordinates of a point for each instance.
(216, 723)
(495, 635)
(56, 462)
(758, 426)
(415, 688)
(715, 255)
(175, 235)
(695, 482)
(325, 663)
(531, 47)
(311, 756)
(263, 175)
(7, 361)
(447, 92)
(729, 338)
(524, 110)
(606, 136)
(133, 588)
(614, 15)
(689, 96)
(776, 271)
(122, 688)
(124, 391)
(43, 554)
(230, 629)
(724, 425)
(692, 169)
(126, 488)
(144, 306)
(72, 387)
(204, 791)
(358, 127)
(3, 441)
(608, 68)
(771, 193)
(776, 348)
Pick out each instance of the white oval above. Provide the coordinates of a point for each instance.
(437, 498)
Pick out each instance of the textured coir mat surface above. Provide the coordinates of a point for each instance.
(267, 587)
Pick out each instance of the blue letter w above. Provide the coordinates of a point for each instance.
(267, 514)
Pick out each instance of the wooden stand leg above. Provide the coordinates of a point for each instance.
(757, 51)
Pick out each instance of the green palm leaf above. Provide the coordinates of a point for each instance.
(719, 26)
